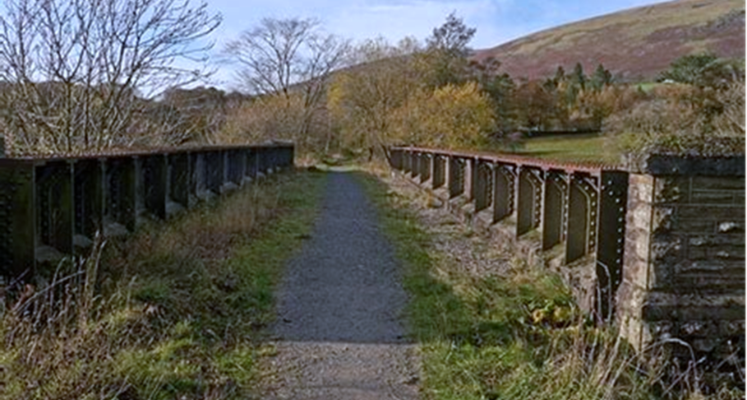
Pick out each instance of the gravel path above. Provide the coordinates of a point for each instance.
(339, 326)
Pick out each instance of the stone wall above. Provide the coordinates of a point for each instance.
(684, 267)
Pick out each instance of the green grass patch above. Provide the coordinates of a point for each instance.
(648, 87)
(590, 148)
(175, 312)
(517, 335)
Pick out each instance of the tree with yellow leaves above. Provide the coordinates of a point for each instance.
(361, 100)
(452, 116)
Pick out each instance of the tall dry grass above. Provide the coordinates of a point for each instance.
(170, 313)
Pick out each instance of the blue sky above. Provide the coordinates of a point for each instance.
(497, 21)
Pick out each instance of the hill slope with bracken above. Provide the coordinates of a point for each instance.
(634, 44)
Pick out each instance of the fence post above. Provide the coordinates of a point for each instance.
(240, 172)
(395, 159)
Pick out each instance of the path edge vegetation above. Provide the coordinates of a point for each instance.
(514, 335)
(178, 310)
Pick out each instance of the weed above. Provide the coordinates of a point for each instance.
(174, 312)
(517, 335)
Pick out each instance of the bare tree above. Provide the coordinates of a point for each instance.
(81, 74)
(289, 57)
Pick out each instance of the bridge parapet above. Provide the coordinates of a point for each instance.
(656, 247)
(52, 207)
(562, 204)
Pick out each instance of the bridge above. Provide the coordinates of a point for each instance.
(656, 246)
(52, 207)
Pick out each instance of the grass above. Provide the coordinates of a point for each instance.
(579, 148)
(517, 335)
(175, 312)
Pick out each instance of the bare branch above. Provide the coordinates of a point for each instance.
(77, 73)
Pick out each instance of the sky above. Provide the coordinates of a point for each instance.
(496, 21)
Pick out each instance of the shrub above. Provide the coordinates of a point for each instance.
(276, 117)
(682, 119)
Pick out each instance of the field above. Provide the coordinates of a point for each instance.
(577, 148)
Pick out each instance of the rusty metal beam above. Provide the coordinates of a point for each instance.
(587, 167)
(556, 188)
(504, 178)
(439, 171)
(470, 178)
(180, 170)
(53, 206)
(414, 164)
(456, 177)
(55, 210)
(611, 238)
(582, 215)
(89, 183)
(426, 162)
(483, 178)
(17, 218)
(155, 185)
(529, 200)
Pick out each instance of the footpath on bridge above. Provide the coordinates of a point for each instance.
(340, 331)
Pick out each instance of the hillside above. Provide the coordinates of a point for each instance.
(633, 44)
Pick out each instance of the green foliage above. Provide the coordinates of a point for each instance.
(434, 309)
(574, 148)
(499, 87)
(445, 58)
(452, 37)
(682, 119)
(703, 70)
(601, 78)
(577, 78)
